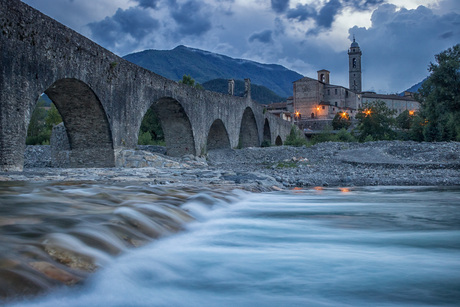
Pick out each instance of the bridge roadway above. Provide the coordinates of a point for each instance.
(102, 98)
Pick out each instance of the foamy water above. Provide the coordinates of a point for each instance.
(329, 247)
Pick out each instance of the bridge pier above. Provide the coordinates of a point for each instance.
(102, 98)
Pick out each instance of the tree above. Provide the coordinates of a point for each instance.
(405, 120)
(375, 121)
(440, 98)
(151, 131)
(188, 80)
(53, 117)
(341, 121)
(295, 138)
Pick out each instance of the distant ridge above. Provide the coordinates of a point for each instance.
(204, 66)
(414, 88)
(259, 93)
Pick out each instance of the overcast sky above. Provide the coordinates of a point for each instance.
(398, 38)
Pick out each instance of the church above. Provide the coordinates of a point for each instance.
(319, 99)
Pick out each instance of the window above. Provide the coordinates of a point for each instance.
(328, 92)
(333, 109)
(323, 107)
(336, 103)
(354, 62)
(346, 94)
(336, 91)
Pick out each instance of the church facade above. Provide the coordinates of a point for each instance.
(318, 99)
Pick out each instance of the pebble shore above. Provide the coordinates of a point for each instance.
(330, 164)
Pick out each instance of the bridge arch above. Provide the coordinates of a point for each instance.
(217, 136)
(278, 141)
(176, 127)
(267, 133)
(249, 135)
(87, 126)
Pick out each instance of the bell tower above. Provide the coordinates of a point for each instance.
(354, 64)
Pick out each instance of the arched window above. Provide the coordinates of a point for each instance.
(312, 115)
(354, 62)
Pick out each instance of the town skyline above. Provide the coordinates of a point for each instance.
(398, 38)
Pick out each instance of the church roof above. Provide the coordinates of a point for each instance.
(354, 44)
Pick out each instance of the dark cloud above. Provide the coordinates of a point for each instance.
(362, 5)
(400, 44)
(148, 3)
(263, 37)
(280, 6)
(135, 22)
(301, 12)
(327, 13)
(446, 35)
(190, 18)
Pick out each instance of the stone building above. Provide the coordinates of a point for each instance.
(318, 99)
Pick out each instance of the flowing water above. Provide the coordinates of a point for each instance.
(319, 247)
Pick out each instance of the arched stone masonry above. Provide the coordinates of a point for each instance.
(217, 136)
(249, 136)
(176, 127)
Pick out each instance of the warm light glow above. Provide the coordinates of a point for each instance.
(367, 112)
(297, 113)
(344, 190)
(318, 188)
(344, 115)
(317, 109)
(411, 112)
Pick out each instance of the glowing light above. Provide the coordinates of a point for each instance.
(344, 115)
(344, 190)
(367, 112)
(317, 109)
(411, 112)
(318, 188)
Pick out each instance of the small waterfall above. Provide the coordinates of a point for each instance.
(54, 235)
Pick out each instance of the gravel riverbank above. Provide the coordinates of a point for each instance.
(391, 163)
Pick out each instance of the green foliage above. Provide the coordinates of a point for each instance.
(375, 119)
(440, 98)
(341, 121)
(326, 135)
(295, 138)
(345, 136)
(53, 117)
(405, 120)
(259, 93)
(151, 131)
(188, 80)
(41, 124)
(266, 143)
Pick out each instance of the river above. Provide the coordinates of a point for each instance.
(371, 246)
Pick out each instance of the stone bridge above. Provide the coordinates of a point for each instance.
(102, 98)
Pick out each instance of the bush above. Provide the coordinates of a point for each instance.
(296, 138)
(341, 121)
(376, 120)
(266, 143)
(345, 136)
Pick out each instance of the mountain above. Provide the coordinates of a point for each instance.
(414, 88)
(259, 93)
(204, 66)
